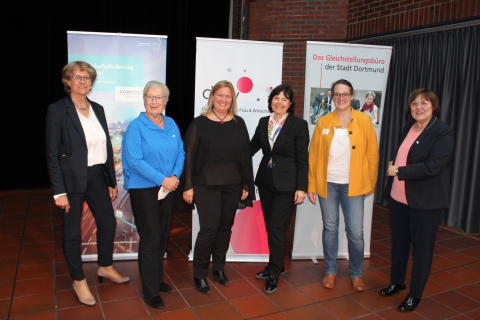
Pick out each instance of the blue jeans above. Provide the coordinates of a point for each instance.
(337, 194)
(325, 111)
(315, 111)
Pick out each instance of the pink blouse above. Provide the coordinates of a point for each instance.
(398, 187)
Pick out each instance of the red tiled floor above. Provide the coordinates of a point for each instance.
(34, 286)
(472, 291)
(196, 299)
(68, 299)
(111, 292)
(238, 289)
(260, 284)
(289, 298)
(344, 308)
(466, 273)
(32, 304)
(7, 275)
(299, 277)
(33, 272)
(39, 316)
(318, 293)
(310, 312)
(460, 257)
(449, 280)
(254, 306)
(373, 301)
(124, 309)
(451, 290)
(81, 313)
(177, 315)
(432, 309)
(222, 310)
(274, 316)
(173, 302)
(393, 313)
(457, 301)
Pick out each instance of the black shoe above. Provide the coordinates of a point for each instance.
(409, 304)
(202, 286)
(221, 277)
(392, 288)
(271, 284)
(266, 272)
(156, 302)
(165, 287)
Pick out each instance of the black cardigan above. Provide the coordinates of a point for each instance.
(427, 173)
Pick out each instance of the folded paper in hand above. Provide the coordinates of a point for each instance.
(162, 193)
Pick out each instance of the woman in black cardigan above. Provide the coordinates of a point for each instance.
(419, 194)
(282, 175)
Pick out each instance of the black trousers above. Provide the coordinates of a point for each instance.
(216, 207)
(277, 210)
(153, 220)
(418, 227)
(97, 197)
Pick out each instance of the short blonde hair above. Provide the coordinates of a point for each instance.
(67, 72)
(233, 107)
(370, 93)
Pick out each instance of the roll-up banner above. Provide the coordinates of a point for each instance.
(254, 68)
(124, 64)
(366, 67)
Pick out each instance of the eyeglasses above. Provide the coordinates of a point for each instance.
(344, 95)
(79, 79)
(157, 98)
(424, 104)
(222, 96)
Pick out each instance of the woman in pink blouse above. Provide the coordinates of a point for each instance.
(419, 194)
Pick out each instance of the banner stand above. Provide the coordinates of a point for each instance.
(366, 67)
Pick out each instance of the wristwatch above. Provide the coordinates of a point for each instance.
(396, 172)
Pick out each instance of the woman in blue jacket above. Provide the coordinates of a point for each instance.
(153, 158)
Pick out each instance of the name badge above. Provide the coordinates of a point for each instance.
(326, 131)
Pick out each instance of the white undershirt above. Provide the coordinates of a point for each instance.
(95, 137)
(338, 170)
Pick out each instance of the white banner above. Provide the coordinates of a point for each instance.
(124, 64)
(366, 67)
(254, 68)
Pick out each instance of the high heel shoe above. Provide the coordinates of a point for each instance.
(112, 276)
(88, 301)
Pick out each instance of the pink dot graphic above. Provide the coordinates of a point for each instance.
(244, 85)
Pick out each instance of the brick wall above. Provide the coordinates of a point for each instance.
(367, 17)
(293, 22)
(236, 22)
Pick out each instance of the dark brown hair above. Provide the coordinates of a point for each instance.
(427, 95)
(287, 92)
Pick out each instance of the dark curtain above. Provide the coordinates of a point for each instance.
(34, 50)
(448, 63)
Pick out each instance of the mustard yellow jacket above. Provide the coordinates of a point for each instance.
(363, 155)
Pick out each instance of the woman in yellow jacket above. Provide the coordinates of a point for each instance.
(343, 167)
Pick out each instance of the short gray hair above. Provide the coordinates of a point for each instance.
(154, 84)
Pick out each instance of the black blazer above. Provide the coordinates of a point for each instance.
(67, 157)
(289, 154)
(427, 173)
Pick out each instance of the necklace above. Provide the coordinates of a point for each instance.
(80, 107)
(221, 120)
(159, 122)
(418, 129)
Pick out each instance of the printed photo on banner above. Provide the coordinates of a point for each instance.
(322, 103)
